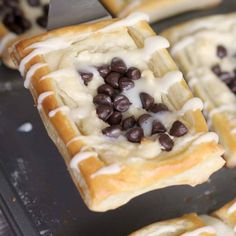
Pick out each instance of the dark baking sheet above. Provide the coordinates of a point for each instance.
(38, 196)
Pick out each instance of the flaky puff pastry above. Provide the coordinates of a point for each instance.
(187, 225)
(156, 9)
(108, 173)
(194, 46)
(221, 223)
(227, 214)
(7, 38)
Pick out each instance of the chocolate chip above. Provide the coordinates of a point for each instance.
(106, 89)
(125, 84)
(104, 70)
(115, 118)
(104, 112)
(128, 123)
(112, 131)
(216, 70)
(178, 129)
(227, 77)
(121, 103)
(45, 9)
(133, 73)
(135, 135)
(166, 142)
(10, 20)
(34, 3)
(113, 79)
(143, 119)
(158, 107)
(86, 77)
(24, 23)
(158, 127)
(42, 21)
(221, 51)
(147, 100)
(118, 65)
(102, 99)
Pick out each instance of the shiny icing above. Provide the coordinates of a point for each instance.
(108, 170)
(41, 98)
(232, 209)
(220, 227)
(198, 232)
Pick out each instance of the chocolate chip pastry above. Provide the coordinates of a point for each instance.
(220, 223)
(118, 109)
(205, 51)
(20, 19)
(156, 9)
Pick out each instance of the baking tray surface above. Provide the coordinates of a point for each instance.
(42, 187)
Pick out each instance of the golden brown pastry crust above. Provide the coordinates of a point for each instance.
(220, 122)
(157, 9)
(227, 213)
(181, 225)
(192, 165)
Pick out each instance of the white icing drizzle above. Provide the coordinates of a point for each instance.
(31, 72)
(41, 48)
(220, 227)
(223, 108)
(42, 96)
(5, 40)
(197, 232)
(59, 109)
(180, 45)
(207, 137)
(169, 79)
(153, 44)
(76, 138)
(108, 170)
(192, 104)
(232, 209)
(80, 157)
(57, 74)
(130, 20)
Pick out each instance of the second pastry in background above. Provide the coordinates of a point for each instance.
(156, 9)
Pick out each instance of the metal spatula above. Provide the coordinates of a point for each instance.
(70, 12)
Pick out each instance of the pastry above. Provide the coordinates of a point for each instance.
(217, 224)
(228, 214)
(156, 9)
(118, 109)
(205, 51)
(20, 19)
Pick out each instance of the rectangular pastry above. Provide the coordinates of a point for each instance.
(220, 223)
(118, 109)
(205, 51)
(156, 9)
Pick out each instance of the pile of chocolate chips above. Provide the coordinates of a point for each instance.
(229, 78)
(14, 18)
(111, 104)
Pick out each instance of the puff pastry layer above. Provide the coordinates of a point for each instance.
(7, 38)
(156, 9)
(196, 47)
(220, 223)
(108, 172)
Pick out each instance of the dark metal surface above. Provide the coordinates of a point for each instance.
(74, 12)
(49, 198)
